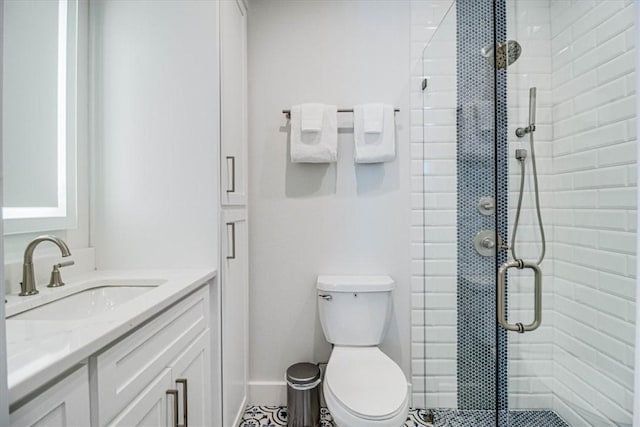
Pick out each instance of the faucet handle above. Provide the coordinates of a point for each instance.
(56, 278)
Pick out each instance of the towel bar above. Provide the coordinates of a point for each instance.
(340, 110)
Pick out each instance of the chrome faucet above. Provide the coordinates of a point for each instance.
(28, 284)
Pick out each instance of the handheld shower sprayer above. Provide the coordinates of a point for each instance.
(520, 132)
(532, 108)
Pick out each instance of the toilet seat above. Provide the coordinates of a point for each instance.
(367, 385)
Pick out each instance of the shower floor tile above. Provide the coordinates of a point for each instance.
(276, 416)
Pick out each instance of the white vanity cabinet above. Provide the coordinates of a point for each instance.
(142, 378)
(235, 315)
(65, 404)
(233, 103)
(163, 399)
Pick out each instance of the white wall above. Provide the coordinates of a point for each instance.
(156, 119)
(594, 170)
(307, 220)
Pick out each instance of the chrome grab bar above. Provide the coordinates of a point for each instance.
(502, 314)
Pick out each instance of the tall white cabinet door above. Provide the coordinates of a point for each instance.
(190, 374)
(235, 315)
(65, 404)
(233, 102)
(151, 408)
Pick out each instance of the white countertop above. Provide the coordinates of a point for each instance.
(38, 350)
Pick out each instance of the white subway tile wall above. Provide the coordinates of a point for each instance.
(580, 56)
(594, 208)
(433, 120)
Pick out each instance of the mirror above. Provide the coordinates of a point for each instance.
(39, 115)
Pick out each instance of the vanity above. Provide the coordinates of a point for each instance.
(115, 348)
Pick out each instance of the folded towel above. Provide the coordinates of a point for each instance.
(311, 117)
(315, 147)
(373, 115)
(374, 147)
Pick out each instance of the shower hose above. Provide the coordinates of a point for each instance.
(537, 202)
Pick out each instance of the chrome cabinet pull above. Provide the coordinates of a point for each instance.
(174, 393)
(502, 274)
(185, 402)
(233, 174)
(233, 240)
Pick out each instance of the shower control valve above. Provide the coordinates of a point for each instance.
(485, 242)
(486, 205)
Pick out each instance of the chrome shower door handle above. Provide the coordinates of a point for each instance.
(502, 292)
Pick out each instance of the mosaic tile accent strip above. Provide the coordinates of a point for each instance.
(275, 416)
(481, 136)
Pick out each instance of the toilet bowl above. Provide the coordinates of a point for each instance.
(362, 385)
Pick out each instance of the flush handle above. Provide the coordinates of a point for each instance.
(325, 297)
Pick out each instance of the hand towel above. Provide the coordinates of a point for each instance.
(311, 117)
(373, 115)
(315, 147)
(374, 147)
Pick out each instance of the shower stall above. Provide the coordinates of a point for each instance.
(524, 298)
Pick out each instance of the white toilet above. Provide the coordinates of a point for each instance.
(362, 385)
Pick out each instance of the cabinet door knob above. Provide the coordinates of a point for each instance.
(174, 394)
(185, 402)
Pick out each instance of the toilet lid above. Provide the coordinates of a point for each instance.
(366, 381)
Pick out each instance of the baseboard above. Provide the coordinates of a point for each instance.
(268, 393)
(238, 417)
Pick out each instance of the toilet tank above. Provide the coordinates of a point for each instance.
(354, 310)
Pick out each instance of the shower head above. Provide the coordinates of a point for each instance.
(507, 53)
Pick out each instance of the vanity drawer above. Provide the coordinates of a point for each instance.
(126, 368)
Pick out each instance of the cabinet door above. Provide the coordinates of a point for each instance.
(233, 102)
(190, 374)
(151, 408)
(65, 404)
(235, 310)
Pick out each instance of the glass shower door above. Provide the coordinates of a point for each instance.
(461, 351)
(571, 123)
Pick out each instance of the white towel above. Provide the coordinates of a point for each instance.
(374, 147)
(315, 147)
(373, 115)
(311, 117)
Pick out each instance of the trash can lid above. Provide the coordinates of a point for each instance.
(303, 373)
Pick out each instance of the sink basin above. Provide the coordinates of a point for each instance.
(84, 304)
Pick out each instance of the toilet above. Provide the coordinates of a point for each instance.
(362, 385)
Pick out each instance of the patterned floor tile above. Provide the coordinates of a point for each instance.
(276, 416)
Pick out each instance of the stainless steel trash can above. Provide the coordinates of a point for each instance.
(303, 395)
